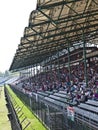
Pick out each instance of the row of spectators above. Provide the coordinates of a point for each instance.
(72, 83)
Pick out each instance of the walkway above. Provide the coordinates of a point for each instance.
(4, 121)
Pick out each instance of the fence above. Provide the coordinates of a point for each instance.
(54, 114)
(12, 113)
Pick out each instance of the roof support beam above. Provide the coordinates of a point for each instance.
(95, 2)
(36, 31)
(67, 26)
(63, 40)
(52, 21)
(48, 6)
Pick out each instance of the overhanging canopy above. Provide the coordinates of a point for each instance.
(53, 26)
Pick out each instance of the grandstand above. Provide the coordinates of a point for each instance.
(3, 80)
(58, 59)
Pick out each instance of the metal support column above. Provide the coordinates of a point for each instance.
(36, 73)
(69, 62)
(84, 60)
(45, 70)
(58, 63)
(51, 66)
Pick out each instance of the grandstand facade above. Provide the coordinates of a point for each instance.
(58, 59)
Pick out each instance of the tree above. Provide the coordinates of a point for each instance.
(6, 73)
(1, 74)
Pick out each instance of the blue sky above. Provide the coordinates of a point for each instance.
(14, 16)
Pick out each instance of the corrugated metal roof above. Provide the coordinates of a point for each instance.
(53, 25)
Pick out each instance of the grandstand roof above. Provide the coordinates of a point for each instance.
(53, 26)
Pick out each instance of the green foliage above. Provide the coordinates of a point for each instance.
(1, 74)
(6, 73)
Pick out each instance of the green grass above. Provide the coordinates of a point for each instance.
(35, 123)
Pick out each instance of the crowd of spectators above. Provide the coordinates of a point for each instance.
(72, 83)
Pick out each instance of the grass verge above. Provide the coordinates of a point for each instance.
(35, 123)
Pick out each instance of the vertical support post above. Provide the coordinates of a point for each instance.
(69, 61)
(51, 66)
(30, 75)
(40, 68)
(30, 100)
(36, 73)
(27, 73)
(58, 63)
(33, 71)
(48, 115)
(45, 69)
(84, 59)
(30, 71)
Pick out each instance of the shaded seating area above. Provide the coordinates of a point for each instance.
(58, 59)
(49, 107)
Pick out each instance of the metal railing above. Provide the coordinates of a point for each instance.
(12, 115)
(55, 116)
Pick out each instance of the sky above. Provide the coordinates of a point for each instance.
(14, 17)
